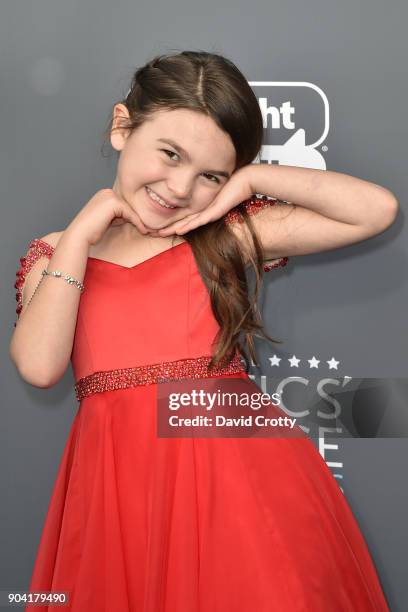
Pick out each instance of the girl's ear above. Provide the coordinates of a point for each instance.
(119, 131)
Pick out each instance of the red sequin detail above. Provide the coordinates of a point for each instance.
(253, 205)
(37, 248)
(110, 380)
(279, 264)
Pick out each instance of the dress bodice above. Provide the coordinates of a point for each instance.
(158, 310)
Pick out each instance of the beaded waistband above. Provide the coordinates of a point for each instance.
(110, 380)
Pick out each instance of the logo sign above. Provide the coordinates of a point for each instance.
(296, 123)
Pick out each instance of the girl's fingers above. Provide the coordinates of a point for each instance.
(201, 218)
(176, 227)
(169, 231)
(190, 225)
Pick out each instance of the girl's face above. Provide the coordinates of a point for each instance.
(152, 158)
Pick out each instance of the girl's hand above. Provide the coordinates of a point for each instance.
(236, 190)
(105, 208)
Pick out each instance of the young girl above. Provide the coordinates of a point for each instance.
(148, 284)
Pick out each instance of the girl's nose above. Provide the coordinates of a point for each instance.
(180, 189)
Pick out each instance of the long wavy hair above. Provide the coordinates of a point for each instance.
(211, 84)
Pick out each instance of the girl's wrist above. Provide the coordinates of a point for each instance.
(75, 237)
(252, 174)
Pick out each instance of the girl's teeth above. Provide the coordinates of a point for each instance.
(159, 200)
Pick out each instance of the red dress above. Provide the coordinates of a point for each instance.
(141, 523)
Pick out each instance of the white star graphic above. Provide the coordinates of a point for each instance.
(274, 361)
(333, 363)
(314, 363)
(294, 362)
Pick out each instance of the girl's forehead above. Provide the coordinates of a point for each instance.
(186, 121)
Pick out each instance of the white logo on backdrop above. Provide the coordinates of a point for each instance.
(295, 151)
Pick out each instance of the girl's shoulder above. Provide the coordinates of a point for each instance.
(52, 238)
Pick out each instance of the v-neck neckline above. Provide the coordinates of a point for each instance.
(116, 265)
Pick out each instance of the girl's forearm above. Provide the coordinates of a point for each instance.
(337, 196)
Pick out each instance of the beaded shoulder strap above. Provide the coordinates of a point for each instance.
(253, 205)
(37, 248)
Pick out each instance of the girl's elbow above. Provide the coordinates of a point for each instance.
(34, 376)
(387, 214)
(394, 208)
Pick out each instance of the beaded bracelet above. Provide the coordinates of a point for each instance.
(70, 279)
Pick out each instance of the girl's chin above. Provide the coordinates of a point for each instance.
(154, 230)
(155, 227)
(159, 226)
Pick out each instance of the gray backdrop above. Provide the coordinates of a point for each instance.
(343, 69)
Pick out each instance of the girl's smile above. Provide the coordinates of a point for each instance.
(153, 200)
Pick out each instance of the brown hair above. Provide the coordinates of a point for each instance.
(211, 84)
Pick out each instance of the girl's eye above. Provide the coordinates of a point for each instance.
(173, 153)
(217, 180)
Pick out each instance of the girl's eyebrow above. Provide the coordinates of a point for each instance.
(180, 149)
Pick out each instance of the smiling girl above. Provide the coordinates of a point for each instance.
(147, 285)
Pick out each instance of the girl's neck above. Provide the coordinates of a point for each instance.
(124, 244)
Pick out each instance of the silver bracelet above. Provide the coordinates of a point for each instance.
(70, 279)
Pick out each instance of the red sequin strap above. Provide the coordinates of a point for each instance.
(253, 205)
(110, 380)
(277, 264)
(37, 248)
